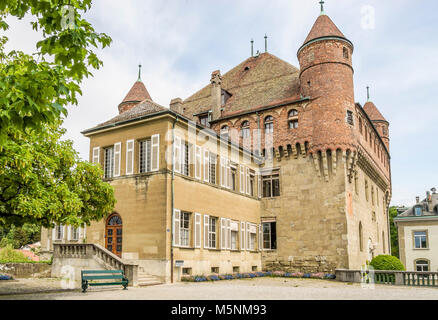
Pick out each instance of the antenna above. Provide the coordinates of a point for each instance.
(252, 47)
(368, 93)
(266, 43)
(139, 72)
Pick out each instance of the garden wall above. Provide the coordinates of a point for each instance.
(26, 270)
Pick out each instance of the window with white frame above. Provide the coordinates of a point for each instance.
(109, 162)
(234, 226)
(145, 155)
(185, 151)
(74, 233)
(59, 232)
(212, 234)
(213, 163)
(269, 125)
(185, 229)
(271, 185)
(420, 239)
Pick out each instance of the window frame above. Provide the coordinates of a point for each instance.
(414, 237)
(273, 176)
(267, 230)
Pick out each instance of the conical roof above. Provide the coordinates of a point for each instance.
(137, 94)
(323, 27)
(372, 112)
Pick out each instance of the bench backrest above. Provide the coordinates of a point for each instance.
(102, 274)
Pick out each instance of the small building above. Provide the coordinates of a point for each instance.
(418, 234)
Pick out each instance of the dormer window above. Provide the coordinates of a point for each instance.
(203, 120)
(418, 211)
(224, 97)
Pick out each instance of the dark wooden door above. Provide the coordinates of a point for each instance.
(114, 235)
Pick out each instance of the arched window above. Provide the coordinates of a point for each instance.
(245, 129)
(360, 237)
(269, 125)
(224, 132)
(360, 125)
(115, 220)
(293, 119)
(422, 265)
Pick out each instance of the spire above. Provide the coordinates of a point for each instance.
(139, 72)
(252, 47)
(322, 7)
(266, 43)
(324, 27)
(368, 93)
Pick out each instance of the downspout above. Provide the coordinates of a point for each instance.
(172, 197)
(259, 135)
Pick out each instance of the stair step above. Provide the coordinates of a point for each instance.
(148, 283)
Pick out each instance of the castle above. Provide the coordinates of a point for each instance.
(267, 167)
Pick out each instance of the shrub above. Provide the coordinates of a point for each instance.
(9, 255)
(329, 276)
(318, 275)
(200, 279)
(213, 277)
(385, 262)
(187, 278)
(279, 273)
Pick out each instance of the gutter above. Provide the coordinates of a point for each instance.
(172, 197)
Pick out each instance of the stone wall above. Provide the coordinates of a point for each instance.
(26, 270)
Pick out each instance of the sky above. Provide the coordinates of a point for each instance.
(180, 42)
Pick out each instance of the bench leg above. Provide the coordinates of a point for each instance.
(84, 286)
(125, 284)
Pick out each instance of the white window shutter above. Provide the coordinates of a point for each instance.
(129, 157)
(259, 188)
(63, 228)
(206, 226)
(242, 179)
(84, 233)
(176, 227)
(69, 232)
(206, 165)
(155, 157)
(198, 162)
(96, 155)
(248, 184)
(223, 231)
(177, 154)
(248, 236)
(229, 234)
(242, 236)
(228, 174)
(54, 233)
(222, 172)
(260, 237)
(197, 230)
(117, 158)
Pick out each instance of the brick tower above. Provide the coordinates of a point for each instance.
(327, 77)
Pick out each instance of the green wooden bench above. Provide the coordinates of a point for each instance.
(117, 277)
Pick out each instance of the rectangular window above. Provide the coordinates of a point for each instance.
(418, 211)
(59, 232)
(213, 162)
(212, 233)
(251, 183)
(109, 163)
(422, 266)
(185, 149)
(145, 155)
(350, 117)
(271, 185)
(74, 233)
(420, 239)
(185, 229)
(270, 235)
(203, 120)
(234, 236)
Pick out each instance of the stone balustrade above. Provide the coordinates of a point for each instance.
(399, 278)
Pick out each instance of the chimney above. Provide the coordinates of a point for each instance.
(418, 200)
(216, 94)
(176, 105)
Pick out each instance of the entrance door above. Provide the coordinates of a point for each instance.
(114, 233)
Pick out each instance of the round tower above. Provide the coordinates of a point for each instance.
(379, 121)
(326, 76)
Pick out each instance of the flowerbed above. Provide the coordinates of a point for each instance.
(251, 275)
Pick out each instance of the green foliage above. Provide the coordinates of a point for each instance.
(43, 181)
(394, 232)
(386, 262)
(19, 236)
(35, 89)
(9, 255)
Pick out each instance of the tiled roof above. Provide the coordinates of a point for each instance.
(323, 27)
(137, 93)
(146, 107)
(428, 212)
(372, 111)
(254, 82)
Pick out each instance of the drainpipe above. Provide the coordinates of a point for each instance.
(172, 199)
(259, 135)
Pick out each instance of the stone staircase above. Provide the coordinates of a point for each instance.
(144, 279)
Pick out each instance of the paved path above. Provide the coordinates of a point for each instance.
(251, 289)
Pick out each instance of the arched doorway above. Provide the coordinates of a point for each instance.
(114, 234)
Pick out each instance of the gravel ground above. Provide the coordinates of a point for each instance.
(248, 289)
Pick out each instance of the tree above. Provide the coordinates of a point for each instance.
(43, 181)
(35, 89)
(394, 232)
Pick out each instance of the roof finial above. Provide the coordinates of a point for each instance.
(266, 43)
(139, 72)
(368, 93)
(252, 47)
(322, 6)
